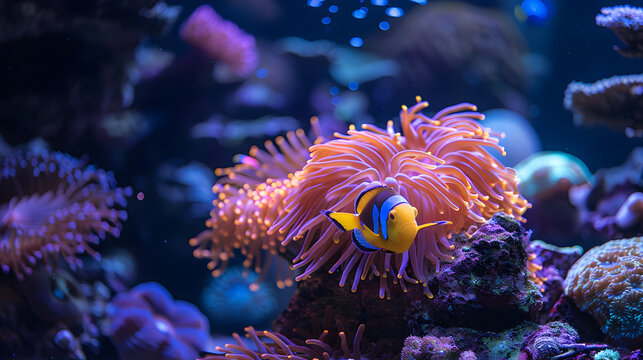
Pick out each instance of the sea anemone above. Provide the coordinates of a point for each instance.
(249, 199)
(274, 346)
(146, 323)
(51, 205)
(439, 164)
(627, 23)
(221, 40)
(606, 282)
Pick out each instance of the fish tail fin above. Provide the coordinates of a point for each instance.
(344, 221)
(442, 222)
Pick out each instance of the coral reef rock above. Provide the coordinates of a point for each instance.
(487, 285)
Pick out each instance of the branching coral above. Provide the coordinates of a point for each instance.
(221, 40)
(146, 323)
(607, 283)
(627, 23)
(439, 164)
(51, 205)
(616, 102)
(274, 346)
(250, 198)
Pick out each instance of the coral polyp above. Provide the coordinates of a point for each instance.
(439, 164)
(52, 206)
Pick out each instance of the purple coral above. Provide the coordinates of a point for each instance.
(50, 205)
(221, 40)
(627, 23)
(146, 323)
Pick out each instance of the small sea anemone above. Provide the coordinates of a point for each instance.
(606, 282)
(231, 301)
(275, 346)
(51, 205)
(627, 23)
(221, 40)
(249, 199)
(439, 164)
(146, 323)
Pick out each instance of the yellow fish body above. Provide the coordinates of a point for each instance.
(383, 219)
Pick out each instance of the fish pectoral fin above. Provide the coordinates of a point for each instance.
(344, 221)
(360, 241)
(443, 222)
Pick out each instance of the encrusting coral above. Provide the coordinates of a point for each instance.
(439, 164)
(52, 206)
(607, 283)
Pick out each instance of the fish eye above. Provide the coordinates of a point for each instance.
(391, 216)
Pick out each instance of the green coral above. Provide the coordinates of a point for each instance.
(608, 354)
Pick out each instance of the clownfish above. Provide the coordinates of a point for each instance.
(384, 220)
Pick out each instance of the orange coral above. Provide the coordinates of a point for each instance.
(439, 164)
(607, 283)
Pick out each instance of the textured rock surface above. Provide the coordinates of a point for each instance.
(486, 286)
(556, 262)
(519, 342)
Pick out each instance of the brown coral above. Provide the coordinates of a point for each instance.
(615, 102)
(607, 283)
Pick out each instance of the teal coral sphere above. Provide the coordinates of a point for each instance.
(543, 170)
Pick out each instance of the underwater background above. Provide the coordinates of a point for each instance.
(156, 195)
